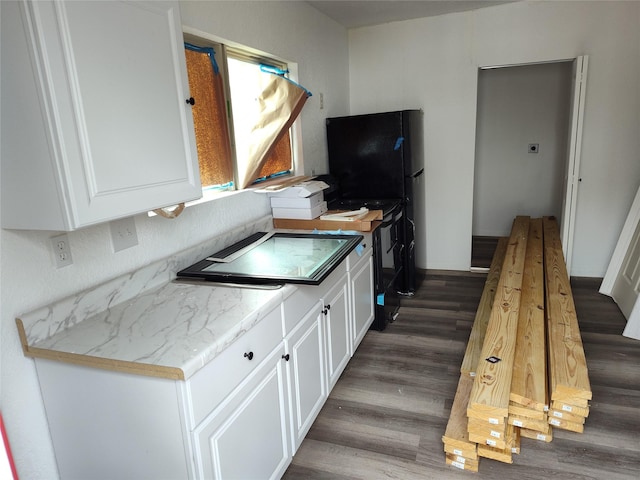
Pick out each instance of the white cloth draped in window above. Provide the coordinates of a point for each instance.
(279, 105)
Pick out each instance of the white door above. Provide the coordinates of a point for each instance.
(627, 284)
(622, 276)
(572, 175)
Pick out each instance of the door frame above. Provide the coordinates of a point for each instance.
(572, 169)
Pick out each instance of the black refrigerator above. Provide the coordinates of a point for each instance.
(380, 157)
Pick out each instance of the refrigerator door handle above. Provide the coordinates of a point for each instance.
(418, 173)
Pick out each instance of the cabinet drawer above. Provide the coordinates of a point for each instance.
(215, 381)
(305, 297)
(358, 254)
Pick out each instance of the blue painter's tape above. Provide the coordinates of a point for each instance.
(359, 249)
(380, 299)
(398, 143)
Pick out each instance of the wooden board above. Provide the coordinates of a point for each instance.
(456, 435)
(504, 455)
(470, 452)
(565, 407)
(467, 461)
(568, 375)
(565, 425)
(488, 440)
(461, 466)
(478, 331)
(492, 384)
(367, 223)
(546, 436)
(516, 409)
(530, 423)
(569, 417)
(529, 380)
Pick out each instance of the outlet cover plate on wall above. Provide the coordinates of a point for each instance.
(123, 234)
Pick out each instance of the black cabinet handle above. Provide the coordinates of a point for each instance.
(191, 101)
(286, 357)
(325, 311)
(328, 307)
(249, 355)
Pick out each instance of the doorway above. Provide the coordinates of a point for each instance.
(523, 135)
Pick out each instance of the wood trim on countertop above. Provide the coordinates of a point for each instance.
(136, 368)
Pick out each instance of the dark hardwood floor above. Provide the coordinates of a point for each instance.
(482, 250)
(386, 415)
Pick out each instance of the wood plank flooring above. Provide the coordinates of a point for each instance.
(386, 415)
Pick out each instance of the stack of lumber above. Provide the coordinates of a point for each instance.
(568, 375)
(488, 408)
(524, 368)
(528, 400)
(459, 450)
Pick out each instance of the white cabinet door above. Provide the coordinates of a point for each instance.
(101, 128)
(306, 372)
(361, 292)
(337, 314)
(247, 437)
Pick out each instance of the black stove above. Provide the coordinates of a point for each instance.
(388, 206)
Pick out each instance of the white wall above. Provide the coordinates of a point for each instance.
(432, 63)
(518, 106)
(293, 31)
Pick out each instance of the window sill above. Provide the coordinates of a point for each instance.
(209, 195)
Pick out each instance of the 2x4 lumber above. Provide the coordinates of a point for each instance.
(456, 434)
(529, 381)
(492, 383)
(476, 338)
(568, 375)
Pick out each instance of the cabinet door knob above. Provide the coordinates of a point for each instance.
(325, 311)
(249, 355)
(328, 307)
(286, 357)
(191, 101)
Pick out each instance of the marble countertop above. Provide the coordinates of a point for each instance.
(170, 331)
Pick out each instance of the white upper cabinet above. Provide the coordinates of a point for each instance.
(95, 119)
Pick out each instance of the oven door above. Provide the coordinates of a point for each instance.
(388, 251)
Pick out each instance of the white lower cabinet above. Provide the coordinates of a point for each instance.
(248, 436)
(362, 302)
(241, 416)
(337, 317)
(306, 373)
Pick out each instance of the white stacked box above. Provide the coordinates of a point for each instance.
(304, 201)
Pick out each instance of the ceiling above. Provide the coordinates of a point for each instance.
(361, 13)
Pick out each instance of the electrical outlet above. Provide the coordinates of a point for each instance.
(123, 234)
(61, 250)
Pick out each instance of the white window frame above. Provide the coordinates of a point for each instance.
(224, 48)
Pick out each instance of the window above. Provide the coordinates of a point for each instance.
(242, 133)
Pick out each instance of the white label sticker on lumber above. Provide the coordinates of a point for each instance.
(458, 465)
